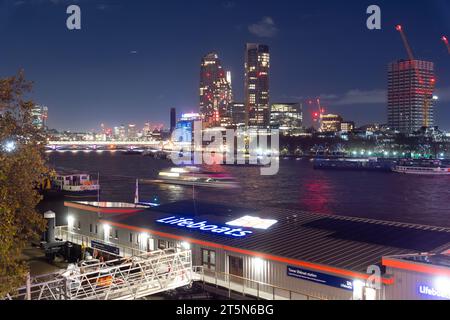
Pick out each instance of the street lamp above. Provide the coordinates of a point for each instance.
(9, 146)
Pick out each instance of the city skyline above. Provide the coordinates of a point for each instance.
(125, 77)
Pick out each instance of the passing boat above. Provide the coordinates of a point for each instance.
(70, 185)
(422, 170)
(429, 168)
(193, 176)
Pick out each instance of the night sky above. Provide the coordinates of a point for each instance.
(135, 59)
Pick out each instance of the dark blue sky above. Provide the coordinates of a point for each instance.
(318, 48)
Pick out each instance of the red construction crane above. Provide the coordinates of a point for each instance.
(399, 28)
(427, 92)
(445, 40)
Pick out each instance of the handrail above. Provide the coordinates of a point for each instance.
(63, 231)
(201, 270)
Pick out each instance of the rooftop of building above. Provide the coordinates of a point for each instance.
(345, 243)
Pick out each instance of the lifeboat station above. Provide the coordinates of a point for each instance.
(272, 253)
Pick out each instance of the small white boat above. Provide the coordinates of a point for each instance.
(421, 170)
(74, 185)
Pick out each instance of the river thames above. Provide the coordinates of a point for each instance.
(374, 195)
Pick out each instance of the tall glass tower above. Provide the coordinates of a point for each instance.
(215, 91)
(257, 65)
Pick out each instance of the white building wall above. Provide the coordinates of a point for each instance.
(407, 285)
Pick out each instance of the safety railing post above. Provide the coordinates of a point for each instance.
(257, 290)
(28, 296)
(229, 287)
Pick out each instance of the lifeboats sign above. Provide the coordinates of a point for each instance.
(320, 278)
(205, 226)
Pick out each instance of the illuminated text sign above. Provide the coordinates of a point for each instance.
(189, 223)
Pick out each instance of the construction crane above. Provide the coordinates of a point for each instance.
(445, 40)
(427, 92)
(317, 115)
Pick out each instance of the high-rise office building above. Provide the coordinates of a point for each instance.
(215, 90)
(330, 123)
(257, 65)
(410, 93)
(185, 127)
(173, 119)
(39, 115)
(132, 133)
(237, 113)
(287, 117)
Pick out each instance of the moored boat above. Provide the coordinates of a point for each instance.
(73, 186)
(429, 167)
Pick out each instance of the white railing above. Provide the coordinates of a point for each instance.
(63, 233)
(121, 279)
(248, 287)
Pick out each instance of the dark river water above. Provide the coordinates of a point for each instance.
(383, 196)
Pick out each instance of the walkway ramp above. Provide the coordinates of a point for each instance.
(122, 279)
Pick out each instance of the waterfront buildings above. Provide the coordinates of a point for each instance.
(330, 123)
(256, 88)
(215, 91)
(410, 93)
(287, 117)
(347, 126)
(40, 115)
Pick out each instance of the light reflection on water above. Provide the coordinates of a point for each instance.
(385, 196)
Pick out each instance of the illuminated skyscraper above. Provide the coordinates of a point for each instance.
(257, 65)
(410, 92)
(215, 91)
(132, 132)
(40, 116)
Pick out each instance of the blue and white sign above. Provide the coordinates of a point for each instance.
(105, 247)
(189, 223)
(434, 293)
(320, 278)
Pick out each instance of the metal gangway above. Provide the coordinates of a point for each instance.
(122, 279)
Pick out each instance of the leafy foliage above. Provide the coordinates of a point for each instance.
(20, 170)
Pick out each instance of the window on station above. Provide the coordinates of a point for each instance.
(131, 237)
(116, 233)
(90, 228)
(79, 225)
(162, 244)
(209, 259)
(96, 229)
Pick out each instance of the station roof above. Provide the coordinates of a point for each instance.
(340, 242)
